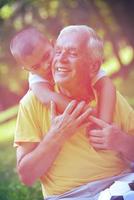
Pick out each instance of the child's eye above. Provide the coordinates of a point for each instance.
(46, 56)
(35, 67)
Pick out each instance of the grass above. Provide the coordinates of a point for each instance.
(10, 186)
(7, 130)
(9, 113)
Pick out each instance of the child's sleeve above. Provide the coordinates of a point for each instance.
(34, 78)
(101, 73)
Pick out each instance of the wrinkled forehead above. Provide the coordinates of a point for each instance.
(72, 39)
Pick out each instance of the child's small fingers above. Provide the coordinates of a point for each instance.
(99, 122)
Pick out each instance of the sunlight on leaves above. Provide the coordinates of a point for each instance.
(111, 65)
(53, 7)
(7, 130)
(43, 13)
(101, 33)
(9, 113)
(3, 68)
(28, 17)
(126, 55)
(6, 12)
(18, 24)
(107, 49)
(14, 87)
(54, 4)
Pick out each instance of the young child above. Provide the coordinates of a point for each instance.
(34, 52)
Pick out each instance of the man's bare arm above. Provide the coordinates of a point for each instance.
(34, 159)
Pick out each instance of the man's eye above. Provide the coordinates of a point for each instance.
(73, 53)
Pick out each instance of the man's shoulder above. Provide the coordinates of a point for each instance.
(124, 113)
(122, 102)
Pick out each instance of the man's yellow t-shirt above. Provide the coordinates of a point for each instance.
(77, 163)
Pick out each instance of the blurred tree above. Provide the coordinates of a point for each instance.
(111, 19)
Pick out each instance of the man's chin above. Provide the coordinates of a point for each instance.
(61, 80)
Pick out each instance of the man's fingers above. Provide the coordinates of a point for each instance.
(84, 117)
(70, 107)
(78, 110)
(53, 110)
(98, 122)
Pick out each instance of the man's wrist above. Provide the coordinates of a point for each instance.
(55, 137)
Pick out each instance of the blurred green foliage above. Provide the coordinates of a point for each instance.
(8, 114)
(7, 130)
(10, 186)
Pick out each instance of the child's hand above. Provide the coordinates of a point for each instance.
(108, 137)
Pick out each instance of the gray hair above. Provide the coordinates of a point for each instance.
(95, 43)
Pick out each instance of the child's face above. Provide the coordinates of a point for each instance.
(39, 62)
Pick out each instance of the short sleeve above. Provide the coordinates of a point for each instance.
(34, 78)
(124, 114)
(101, 73)
(27, 125)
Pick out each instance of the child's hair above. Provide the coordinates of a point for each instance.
(24, 42)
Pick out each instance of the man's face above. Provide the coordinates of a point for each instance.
(39, 61)
(70, 64)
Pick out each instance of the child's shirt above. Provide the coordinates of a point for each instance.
(34, 78)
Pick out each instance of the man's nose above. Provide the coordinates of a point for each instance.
(63, 57)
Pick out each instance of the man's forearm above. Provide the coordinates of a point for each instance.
(36, 163)
(127, 147)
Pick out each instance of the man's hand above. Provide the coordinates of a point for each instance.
(109, 137)
(76, 115)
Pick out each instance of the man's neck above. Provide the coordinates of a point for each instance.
(48, 77)
(79, 93)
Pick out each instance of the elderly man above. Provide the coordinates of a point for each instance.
(54, 147)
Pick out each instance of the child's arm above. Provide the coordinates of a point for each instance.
(49, 95)
(106, 98)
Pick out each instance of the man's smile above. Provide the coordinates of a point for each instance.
(62, 69)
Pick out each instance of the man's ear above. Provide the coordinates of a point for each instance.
(94, 69)
(52, 41)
